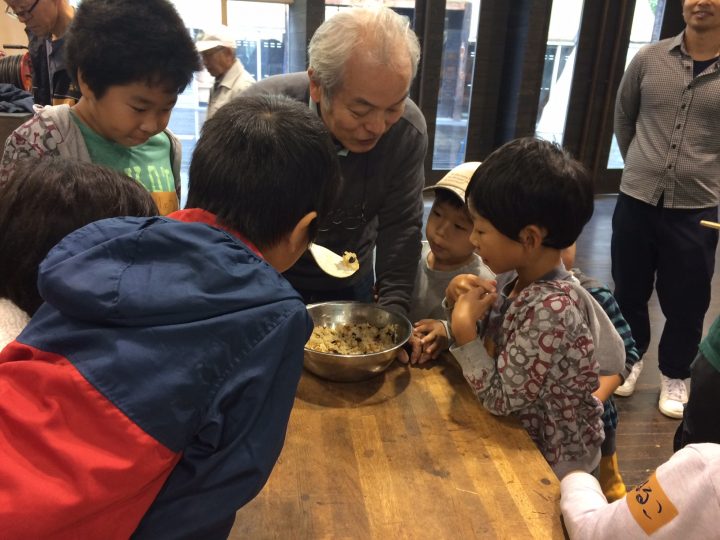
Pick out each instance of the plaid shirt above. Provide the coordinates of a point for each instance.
(667, 127)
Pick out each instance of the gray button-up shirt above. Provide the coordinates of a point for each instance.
(667, 123)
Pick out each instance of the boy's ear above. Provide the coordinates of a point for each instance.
(290, 248)
(84, 88)
(299, 238)
(532, 236)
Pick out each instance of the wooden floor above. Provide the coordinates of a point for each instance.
(644, 438)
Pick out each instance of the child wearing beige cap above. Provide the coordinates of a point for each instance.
(446, 254)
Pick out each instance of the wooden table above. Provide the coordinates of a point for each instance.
(408, 454)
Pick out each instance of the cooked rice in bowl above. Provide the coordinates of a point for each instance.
(363, 338)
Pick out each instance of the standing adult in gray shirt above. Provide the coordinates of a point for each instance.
(666, 122)
(361, 64)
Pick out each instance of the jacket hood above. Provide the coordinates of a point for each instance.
(143, 271)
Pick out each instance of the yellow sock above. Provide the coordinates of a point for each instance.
(610, 480)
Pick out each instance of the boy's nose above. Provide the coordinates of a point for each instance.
(148, 126)
(442, 227)
(153, 123)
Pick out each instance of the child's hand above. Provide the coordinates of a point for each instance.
(608, 384)
(463, 283)
(433, 340)
(469, 309)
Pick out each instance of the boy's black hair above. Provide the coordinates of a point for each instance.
(45, 200)
(533, 182)
(118, 42)
(261, 164)
(443, 196)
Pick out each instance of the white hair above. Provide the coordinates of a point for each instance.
(379, 31)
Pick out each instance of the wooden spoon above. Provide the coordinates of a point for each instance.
(331, 263)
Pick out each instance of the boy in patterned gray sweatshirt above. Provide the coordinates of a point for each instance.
(533, 343)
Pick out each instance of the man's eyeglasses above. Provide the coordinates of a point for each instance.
(348, 218)
(21, 14)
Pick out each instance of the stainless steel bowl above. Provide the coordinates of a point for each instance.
(353, 367)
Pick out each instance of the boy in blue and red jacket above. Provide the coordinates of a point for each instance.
(150, 394)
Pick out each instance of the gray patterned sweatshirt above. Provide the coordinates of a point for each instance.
(538, 356)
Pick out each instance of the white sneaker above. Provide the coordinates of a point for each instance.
(673, 397)
(628, 387)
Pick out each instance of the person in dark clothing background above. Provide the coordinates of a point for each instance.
(46, 22)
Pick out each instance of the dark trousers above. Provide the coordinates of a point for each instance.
(700, 419)
(665, 249)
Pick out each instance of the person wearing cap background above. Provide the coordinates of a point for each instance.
(46, 22)
(217, 48)
(447, 253)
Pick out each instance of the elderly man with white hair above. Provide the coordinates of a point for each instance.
(217, 48)
(361, 64)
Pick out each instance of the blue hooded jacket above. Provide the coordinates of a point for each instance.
(161, 372)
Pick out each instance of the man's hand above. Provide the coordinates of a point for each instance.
(415, 350)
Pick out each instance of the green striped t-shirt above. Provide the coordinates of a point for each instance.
(149, 163)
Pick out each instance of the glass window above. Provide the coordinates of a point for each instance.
(260, 30)
(403, 7)
(457, 68)
(558, 70)
(647, 20)
(198, 16)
